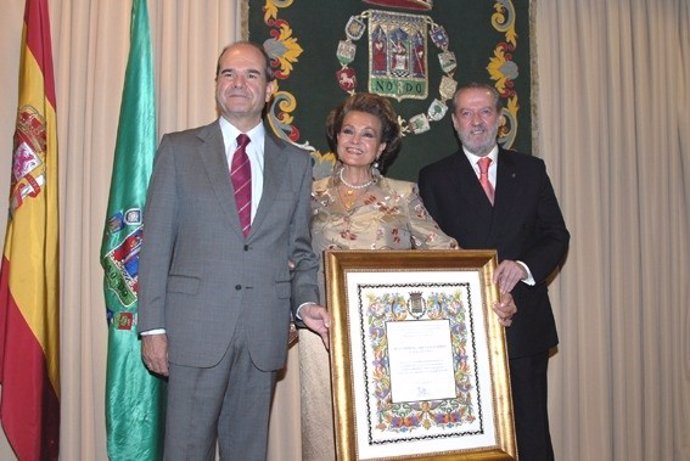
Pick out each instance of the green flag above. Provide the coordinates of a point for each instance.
(134, 398)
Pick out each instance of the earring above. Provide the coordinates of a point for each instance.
(375, 169)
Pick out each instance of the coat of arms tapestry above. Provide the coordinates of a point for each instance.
(415, 52)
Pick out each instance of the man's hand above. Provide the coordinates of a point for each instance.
(154, 353)
(505, 308)
(316, 318)
(508, 274)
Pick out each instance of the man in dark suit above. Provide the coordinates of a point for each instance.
(508, 204)
(216, 293)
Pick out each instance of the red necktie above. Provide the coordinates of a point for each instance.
(484, 163)
(241, 177)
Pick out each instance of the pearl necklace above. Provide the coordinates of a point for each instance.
(353, 186)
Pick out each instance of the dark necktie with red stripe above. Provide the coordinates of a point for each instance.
(241, 177)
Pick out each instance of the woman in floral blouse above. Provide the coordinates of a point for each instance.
(357, 208)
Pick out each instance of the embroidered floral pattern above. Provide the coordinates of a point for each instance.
(406, 416)
(389, 215)
(504, 71)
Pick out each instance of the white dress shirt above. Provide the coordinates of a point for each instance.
(255, 152)
(493, 166)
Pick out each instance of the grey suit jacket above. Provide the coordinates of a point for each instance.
(198, 273)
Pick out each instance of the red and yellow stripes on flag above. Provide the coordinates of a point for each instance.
(29, 295)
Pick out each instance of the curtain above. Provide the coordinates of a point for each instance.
(614, 131)
(611, 93)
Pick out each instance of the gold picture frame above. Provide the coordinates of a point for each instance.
(418, 359)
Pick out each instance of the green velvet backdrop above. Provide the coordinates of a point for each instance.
(490, 41)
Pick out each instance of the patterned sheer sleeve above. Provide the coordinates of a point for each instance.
(425, 232)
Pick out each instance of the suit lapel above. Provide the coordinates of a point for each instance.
(274, 174)
(212, 154)
(508, 190)
(470, 190)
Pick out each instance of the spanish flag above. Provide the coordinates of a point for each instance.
(29, 294)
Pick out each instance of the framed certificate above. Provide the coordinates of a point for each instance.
(418, 358)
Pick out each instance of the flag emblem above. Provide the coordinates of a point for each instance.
(122, 267)
(30, 145)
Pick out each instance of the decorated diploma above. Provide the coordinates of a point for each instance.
(421, 360)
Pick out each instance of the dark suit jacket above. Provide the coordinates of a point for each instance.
(198, 272)
(524, 224)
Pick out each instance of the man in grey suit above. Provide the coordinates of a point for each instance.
(216, 299)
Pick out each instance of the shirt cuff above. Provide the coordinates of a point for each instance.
(155, 331)
(529, 280)
(297, 316)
